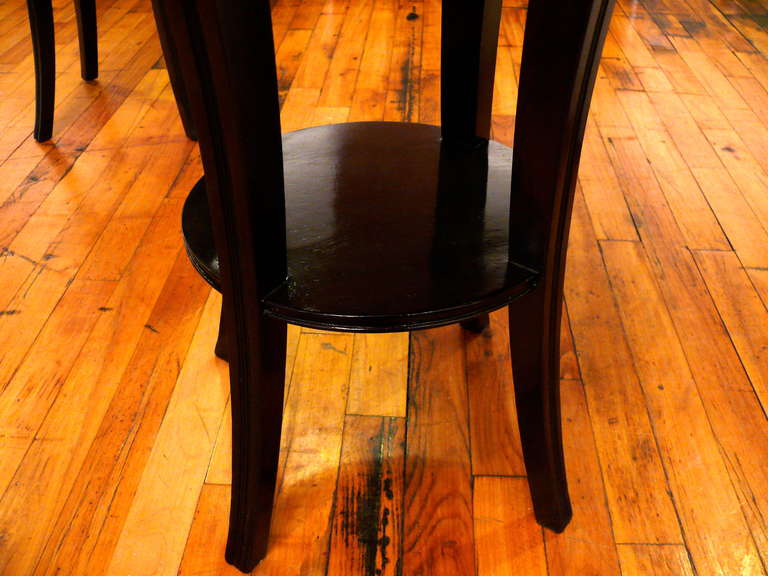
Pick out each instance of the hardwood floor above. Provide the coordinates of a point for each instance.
(400, 454)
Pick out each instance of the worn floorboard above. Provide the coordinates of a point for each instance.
(400, 454)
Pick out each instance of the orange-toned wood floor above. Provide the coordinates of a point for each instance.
(113, 411)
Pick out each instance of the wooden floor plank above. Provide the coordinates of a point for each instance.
(602, 193)
(690, 207)
(715, 531)
(502, 507)
(369, 100)
(92, 381)
(89, 525)
(116, 130)
(168, 491)
(379, 381)
(46, 176)
(732, 408)
(204, 552)
(505, 85)
(673, 181)
(76, 392)
(644, 560)
(28, 395)
(310, 454)
(641, 510)
(493, 428)
(343, 70)
(20, 206)
(569, 363)
(743, 313)
(314, 67)
(220, 467)
(587, 546)
(402, 100)
(759, 277)
(69, 228)
(438, 534)
(429, 85)
(368, 509)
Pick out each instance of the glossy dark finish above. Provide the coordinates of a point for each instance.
(369, 202)
(257, 415)
(41, 25)
(470, 32)
(561, 51)
(174, 69)
(198, 235)
(88, 35)
(226, 56)
(380, 226)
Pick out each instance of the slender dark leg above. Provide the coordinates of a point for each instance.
(174, 69)
(89, 46)
(477, 324)
(224, 331)
(468, 64)
(534, 336)
(470, 32)
(41, 23)
(257, 413)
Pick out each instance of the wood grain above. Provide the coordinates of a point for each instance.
(717, 535)
(643, 560)
(105, 330)
(438, 497)
(494, 434)
(204, 552)
(732, 408)
(369, 100)
(87, 386)
(744, 315)
(310, 453)
(379, 381)
(368, 509)
(85, 533)
(220, 467)
(502, 506)
(587, 547)
(759, 277)
(173, 475)
(629, 457)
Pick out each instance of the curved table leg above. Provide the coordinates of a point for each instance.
(257, 413)
(173, 66)
(41, 24)
(86, 28)
(534, 338)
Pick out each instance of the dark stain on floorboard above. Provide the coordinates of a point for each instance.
(368, 505)
(367, 511)
(407, 94)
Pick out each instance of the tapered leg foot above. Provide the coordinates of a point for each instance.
(87, 33)
(534, 326)
(257, 412)
(41, 25)
(478, 324)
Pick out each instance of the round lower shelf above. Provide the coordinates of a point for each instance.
(387, 229)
